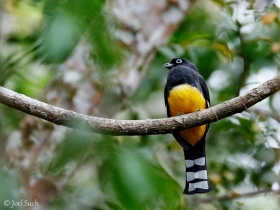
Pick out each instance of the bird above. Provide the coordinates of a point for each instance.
(185, 92)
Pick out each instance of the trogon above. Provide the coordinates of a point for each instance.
(186, 91)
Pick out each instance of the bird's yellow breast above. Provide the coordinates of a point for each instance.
(185, 99)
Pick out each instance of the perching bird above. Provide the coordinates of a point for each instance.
(185, 92)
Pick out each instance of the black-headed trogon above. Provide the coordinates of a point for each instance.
(185, 92)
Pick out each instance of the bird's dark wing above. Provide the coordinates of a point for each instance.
(206, 95)
(166, 93)
(205, 91)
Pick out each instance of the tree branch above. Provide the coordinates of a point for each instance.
(265, 113)
(137, 127)
(235, 195)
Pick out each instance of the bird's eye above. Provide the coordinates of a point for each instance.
(179, 61)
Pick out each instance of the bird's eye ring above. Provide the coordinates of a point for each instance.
(179, 61)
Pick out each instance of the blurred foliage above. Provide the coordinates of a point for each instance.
(68, 21)
(8, 187)
(229, 41)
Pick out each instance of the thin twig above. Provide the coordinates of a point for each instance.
(242, 54)
(235, 195)
(265, 113)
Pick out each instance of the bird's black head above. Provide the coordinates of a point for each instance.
(179, 61)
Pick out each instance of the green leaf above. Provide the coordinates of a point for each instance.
(61, 36)
(240, 175)
(133, 181)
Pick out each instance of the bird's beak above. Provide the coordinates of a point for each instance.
(167, 65)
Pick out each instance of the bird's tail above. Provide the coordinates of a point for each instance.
(196, 170)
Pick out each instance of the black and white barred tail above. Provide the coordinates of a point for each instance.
(196, 170)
